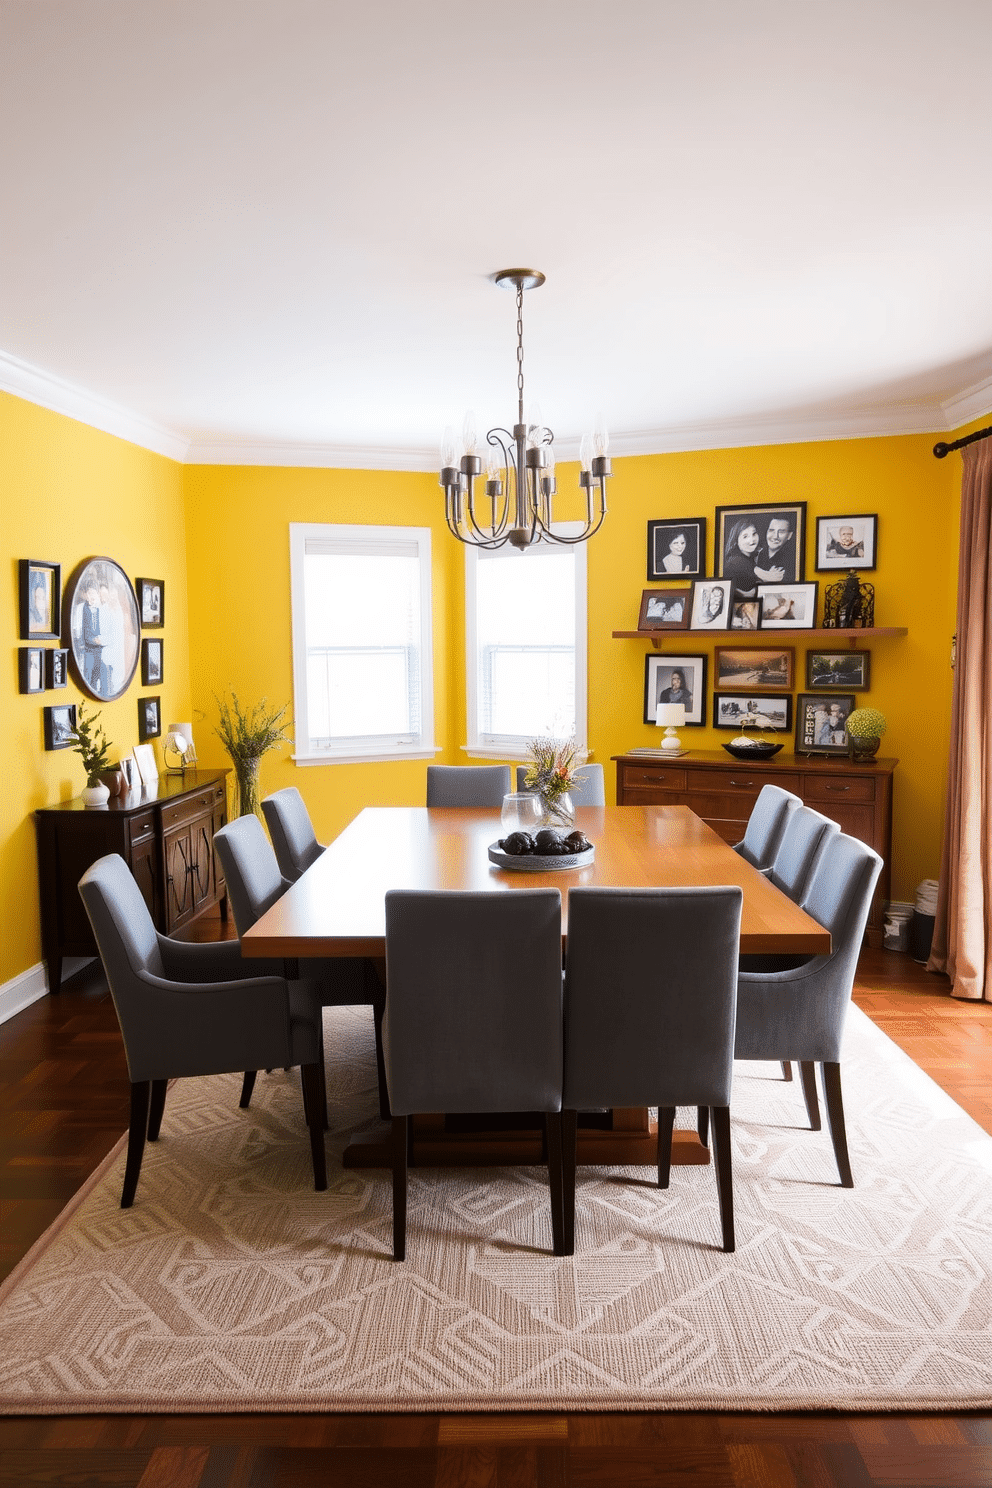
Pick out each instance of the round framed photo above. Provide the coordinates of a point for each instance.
(103, 628)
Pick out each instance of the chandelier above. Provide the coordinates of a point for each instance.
(523, 515)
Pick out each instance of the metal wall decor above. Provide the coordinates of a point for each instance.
(849, 604)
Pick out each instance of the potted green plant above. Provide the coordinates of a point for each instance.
(248, 734)
(93, 748)
(865, 727)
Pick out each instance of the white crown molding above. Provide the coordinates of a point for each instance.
(974, 403)
(805, 428)
(39, 387)
(313, 456)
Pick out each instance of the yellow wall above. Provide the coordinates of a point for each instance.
(68, 492)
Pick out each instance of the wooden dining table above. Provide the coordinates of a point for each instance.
(337, 908)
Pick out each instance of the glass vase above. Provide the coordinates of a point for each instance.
(557, 811)
(246, 781)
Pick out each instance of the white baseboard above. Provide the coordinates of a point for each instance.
(32, 985)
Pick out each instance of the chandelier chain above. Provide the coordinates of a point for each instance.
(520, 353)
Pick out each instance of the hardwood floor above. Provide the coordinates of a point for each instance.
(63, 1103)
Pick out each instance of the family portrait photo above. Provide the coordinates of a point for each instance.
(103, 628)
(677, 548)
(40, 594)
(821, 724)
(664, 609)
(846, 542)
(760, 545)
(675, 679)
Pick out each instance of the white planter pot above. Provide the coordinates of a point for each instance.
(96, 795)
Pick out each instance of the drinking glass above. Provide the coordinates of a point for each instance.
(521, 812)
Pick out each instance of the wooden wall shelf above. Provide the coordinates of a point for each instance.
(765, 637)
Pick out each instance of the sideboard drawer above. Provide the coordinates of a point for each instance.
(739, 778)
(184, 811)
(656, 777)
(839, 788)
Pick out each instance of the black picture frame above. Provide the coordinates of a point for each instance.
(40, 618)
(831, 555)
(152, 648)
(657, 677)
(60, 726)
(149, 718)
(103, 647)
(662, 532)
(745, 569)
(729, 708)
(56, 667)
(788, 606)
(151, 602)
(31, 669)
(665, 609)
(814, 733)
(838, 671)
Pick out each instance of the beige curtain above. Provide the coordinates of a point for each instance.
(964, 905)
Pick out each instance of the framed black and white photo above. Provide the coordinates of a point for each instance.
(60, 726)
(40, 592)
(149, 718)
(846, 542)
(763, 544)
(151, 601)
(730, 709)
(711, 604)
(788, 606)
(665, 609)
(151, 661)
(821, 723)
(102, 628)
(677, 547)
(31, 669)
(838, 671)
(675, 679)
(56, 668)
(767, 670)
(745, 614)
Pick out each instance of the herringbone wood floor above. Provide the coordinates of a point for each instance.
(63, 1103)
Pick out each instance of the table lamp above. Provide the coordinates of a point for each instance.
(178, 743)
(671, 716)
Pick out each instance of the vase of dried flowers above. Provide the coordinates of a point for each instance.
(248, 734)
(554, 768)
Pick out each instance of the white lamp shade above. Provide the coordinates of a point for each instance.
(671, 715)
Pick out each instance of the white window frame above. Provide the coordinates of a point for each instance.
(370, 540)
(514, 746)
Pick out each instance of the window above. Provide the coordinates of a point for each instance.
(362, 662)
(525, 625)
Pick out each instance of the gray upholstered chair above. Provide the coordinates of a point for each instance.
(194, 1010)
(798, 1012)
(254, 884)
(803, 841)
(650, 998)
(766, 826)
(589, 791)
(467, 785)
(473, 1017)
(293, 837)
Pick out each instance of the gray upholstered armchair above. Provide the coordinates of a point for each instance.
(766, 826)
(806, 835)
(589, 791)
(467, 785)
(194, 1010)
(293, 837)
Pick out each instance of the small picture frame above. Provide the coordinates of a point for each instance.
(665, 609)
(151, 661)
(60, 726)
(847, 542)
(40, 591)
(788, 606)
(711, 604)
(57, 668)
(821, 722)
(745, 614)
(151, 602)
(765, 669)
(31, 669)
(149, 718)
(760, 544)
(144, 758)
(677, 548)
(676, 679)
(731, 708)
(132, 775)
(838, 671)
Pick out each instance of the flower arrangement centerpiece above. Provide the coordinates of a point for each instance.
(248, 734)
(556, 766)
(753, 746)
(865, 727)
(93, 748)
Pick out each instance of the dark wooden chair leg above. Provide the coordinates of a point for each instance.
(552, 1143)
(312, 1106)
(323, 1092)
(401, 1137)
(666, 1124)
(137, 1131)
(722, 1162)
(247, 1086)
(156, 1108)
(834, 1103)
(807, 1074)
(380, 1064)
(786, 1070)
(569, 1126)
(703, 1124)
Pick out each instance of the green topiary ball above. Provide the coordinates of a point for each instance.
(866, 723)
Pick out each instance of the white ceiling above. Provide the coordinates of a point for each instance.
(265, 229)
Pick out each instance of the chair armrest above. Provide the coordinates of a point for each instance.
(790, 976)
(213, 961)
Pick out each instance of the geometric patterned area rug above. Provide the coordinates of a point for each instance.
(232, 1286)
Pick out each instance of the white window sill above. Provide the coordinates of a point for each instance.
(519, 753)
(365, 759)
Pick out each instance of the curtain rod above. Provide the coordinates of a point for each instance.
(940, 450)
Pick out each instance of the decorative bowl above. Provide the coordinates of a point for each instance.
(539, 862)
(758, 751)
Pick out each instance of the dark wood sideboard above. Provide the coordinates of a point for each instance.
(165, 834)
(722, 791)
